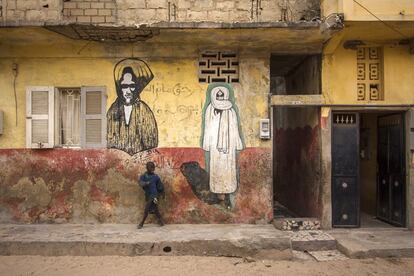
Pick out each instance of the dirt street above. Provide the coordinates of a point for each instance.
(189, 265)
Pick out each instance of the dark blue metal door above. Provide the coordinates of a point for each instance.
(345, 170)
(391, 169)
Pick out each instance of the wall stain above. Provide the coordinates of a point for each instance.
(100, 186)
(298, 169)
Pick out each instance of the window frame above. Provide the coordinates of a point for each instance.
(57, 135)
(54, 115)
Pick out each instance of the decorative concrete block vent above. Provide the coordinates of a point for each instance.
(218, 67)
(89, 11)
(297, 224)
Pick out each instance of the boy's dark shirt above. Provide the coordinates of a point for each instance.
(154, 187)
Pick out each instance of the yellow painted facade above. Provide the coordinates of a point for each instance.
(174, 95)
(339, 69)
(340, 82)
(390, 10)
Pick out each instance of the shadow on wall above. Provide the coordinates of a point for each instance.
(198, 179)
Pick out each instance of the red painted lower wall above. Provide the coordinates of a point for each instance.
(298, 170)
(90, 186)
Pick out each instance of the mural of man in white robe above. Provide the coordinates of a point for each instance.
(221, 138)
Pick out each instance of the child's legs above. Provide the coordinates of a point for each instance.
(158, 214)
(148, 205)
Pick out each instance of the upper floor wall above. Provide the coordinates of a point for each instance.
(363, 10)
(138, 12)
(362, 67)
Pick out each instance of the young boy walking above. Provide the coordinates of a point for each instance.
(153, 187)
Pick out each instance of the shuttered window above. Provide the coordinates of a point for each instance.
(52, 120)
(39, 117)
(93, 118)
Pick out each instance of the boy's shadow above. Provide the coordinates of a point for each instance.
(199, 181)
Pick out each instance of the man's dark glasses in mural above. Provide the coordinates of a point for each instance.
(131, 123)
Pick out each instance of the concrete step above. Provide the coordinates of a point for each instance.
(320, 256)
(257, 241)
(126, 240)
(314, 240)
(371, 242)
(296, 224)
(327, 255)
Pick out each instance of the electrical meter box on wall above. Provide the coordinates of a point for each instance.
(264, 129)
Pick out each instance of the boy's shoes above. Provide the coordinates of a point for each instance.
(161, 223)
(140, 226)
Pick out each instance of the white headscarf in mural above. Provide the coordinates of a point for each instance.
(220, 101)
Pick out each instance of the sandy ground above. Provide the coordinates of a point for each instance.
(189, 265)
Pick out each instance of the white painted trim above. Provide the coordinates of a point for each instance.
(84, 116)
(49, 117)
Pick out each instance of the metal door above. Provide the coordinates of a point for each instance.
(391, 169)
(345, 170)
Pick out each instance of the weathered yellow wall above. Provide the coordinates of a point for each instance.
(330, 6)
(176, 98)
(174, 95)
(385, 9)
(339, 76)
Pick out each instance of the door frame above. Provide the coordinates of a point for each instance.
(326, 126)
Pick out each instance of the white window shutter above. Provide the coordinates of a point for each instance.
(93, 117)
(40, 117)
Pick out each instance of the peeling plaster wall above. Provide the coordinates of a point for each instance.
(91, 186)
(82, 185)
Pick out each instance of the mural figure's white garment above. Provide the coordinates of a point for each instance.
(222, 140)
(127, 110)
